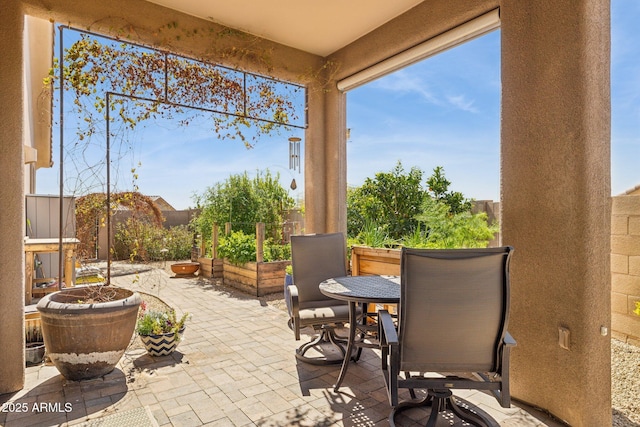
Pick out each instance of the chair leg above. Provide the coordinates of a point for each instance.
(412, 392)
(327, 335)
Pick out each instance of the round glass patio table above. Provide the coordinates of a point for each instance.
(355, 290)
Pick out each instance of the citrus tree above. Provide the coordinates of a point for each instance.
(390, 200)
(394, 209)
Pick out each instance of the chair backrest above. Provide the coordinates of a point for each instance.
(454, 309)
(314, 258)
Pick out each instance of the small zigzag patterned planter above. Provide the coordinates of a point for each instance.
(161, 345)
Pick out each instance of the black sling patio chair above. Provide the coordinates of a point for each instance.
(315, 258)
(452, 330)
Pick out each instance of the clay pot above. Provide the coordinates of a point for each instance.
(86, 340)
(34, 353)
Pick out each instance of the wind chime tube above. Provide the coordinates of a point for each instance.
(294, 153)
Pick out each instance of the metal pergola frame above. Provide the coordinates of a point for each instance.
(165, 101)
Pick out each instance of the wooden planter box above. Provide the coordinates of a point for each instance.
(211, 267)
(366, 261)
(256, 278)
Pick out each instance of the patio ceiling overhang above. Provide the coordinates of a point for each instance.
(320, 28)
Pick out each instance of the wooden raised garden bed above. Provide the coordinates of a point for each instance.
(256, 278)
(366, 261)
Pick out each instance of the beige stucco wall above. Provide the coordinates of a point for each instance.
(625, 267)
(12, 222)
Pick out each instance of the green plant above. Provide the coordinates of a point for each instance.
(417, 239)
(461, 230)
(244, 201)
(238, 247)
(438, 186)
(152, 322)
(276, 252)
(393, 210)
(375, 236)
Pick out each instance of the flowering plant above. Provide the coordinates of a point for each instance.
(152, 322)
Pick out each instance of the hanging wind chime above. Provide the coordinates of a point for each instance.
(294, 158)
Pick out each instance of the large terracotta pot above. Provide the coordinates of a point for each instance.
(86, 340)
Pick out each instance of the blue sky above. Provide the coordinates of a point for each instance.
(443, 111)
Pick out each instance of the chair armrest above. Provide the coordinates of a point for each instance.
(386, 329)
(293, 300)
(295, 309)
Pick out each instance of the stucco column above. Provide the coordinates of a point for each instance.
(336, 155)
(12, 219)
(315, 162)
(325, 160)
(556, 202)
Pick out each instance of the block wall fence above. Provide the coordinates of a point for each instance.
(625, 267)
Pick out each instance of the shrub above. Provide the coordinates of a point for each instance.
(276, 252)
(140, 241)
(446, 230)
(391, 198)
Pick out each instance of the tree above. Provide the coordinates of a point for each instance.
(243, 201)
(438, 186)
(394, 209)
(392, 200)
(91, 212)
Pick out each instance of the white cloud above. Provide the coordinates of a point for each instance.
(460, 102)
(404, 82)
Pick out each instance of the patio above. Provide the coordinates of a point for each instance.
(236, 366)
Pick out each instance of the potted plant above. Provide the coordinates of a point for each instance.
(288, 275)
(160, 330)
(86, 329)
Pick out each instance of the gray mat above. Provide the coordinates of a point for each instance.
(139, 417)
